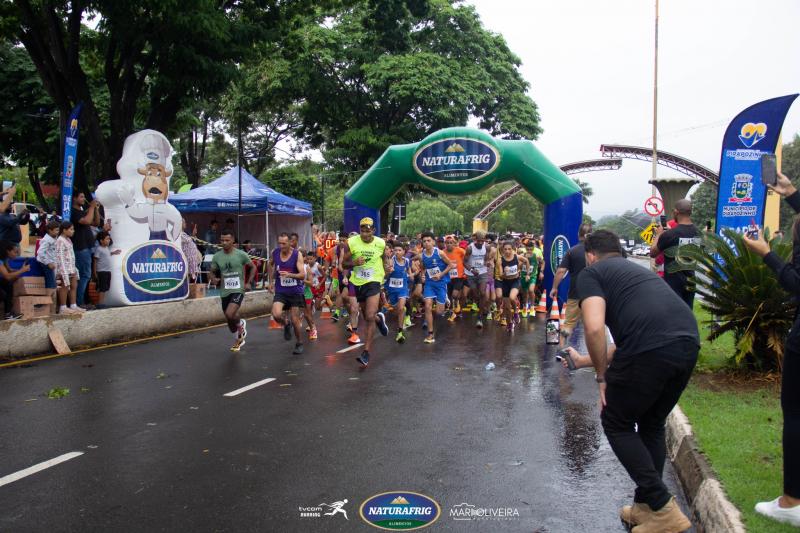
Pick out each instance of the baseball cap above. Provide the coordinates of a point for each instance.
(366, 221)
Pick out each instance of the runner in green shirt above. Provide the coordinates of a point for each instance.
(366, 253)
(227, 271)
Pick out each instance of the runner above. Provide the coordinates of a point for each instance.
(349, 295)
(287, 266)
(228, 266)
(366, 254)
(476, 261)
(507, 273)
(437, 267)
(311, 292)
(455, 286)
(399, 272)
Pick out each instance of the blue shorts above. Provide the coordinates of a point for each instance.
(49, 276)
(436, 290)
(395, 294)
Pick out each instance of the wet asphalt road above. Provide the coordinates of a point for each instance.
(164, 450)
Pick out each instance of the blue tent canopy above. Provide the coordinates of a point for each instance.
(222, 196)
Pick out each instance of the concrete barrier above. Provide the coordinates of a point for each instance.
(712, 511)
(21, 338)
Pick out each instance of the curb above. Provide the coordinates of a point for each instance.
(711, 510)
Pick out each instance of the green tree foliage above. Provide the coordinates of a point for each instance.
(790, 166)
(704, 204)
(413, 68)
(744, 295)
(627, 226)
(299, 180)
(431, 215)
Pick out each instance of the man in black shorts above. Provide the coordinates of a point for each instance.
(287, 272)
(227, 271)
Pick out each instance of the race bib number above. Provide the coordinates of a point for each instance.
(288, 282)
(511, 270)
(454, 273)
(232, 283)
(364, 273)
(433, 271)
(396, 283)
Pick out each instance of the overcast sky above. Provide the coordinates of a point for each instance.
(590, 67)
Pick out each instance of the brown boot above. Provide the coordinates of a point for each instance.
(668, 519)
(635, 514)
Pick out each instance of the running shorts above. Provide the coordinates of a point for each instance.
(475, 281)
(394, 295)
(507, 284)
(435, 291)
(290, 300)
(362, 292)
(233, 298)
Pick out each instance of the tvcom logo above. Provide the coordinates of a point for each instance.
(752, 133)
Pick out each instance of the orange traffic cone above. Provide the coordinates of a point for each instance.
(564, 313)
(326, 313)
(274, 325)
(541, 307)
(554, 314)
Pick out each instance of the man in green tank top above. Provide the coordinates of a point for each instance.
(366, 254)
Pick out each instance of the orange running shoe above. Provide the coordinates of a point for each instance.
(354, 339)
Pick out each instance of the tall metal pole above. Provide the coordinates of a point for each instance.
(239, 165)
(322, 202)
(655, 104)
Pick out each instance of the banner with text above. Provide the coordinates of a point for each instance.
(754, 131)
(70, 159)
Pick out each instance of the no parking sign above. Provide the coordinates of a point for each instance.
(654, 206)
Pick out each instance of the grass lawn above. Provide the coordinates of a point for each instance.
(738, 425)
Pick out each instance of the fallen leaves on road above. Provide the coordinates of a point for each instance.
(57, 392)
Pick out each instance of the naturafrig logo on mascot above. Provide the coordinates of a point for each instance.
(144, 225)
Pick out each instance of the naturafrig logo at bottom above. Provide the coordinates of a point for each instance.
(155, 267)
(400, 511)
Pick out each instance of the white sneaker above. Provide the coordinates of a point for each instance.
(772, 510)
(76, 309)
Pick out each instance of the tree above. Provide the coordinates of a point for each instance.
(704, 204)
(790, 166)
(431, 215)
(298, 180)
(627, 226)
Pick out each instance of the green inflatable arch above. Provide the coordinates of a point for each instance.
(466, 160)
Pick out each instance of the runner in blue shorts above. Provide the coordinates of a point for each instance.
(436, 268)
(397, 286)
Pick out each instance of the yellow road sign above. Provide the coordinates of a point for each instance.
(648, 233)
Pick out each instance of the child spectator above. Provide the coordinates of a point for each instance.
(46, 254)
(8, 251)
(66, 271)
(101, 267)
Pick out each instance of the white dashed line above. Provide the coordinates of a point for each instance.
(249, 387)
(353, 347)
(5, 480)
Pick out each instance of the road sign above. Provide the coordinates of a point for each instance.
(400, 212)
(654, 206)
(648, 233)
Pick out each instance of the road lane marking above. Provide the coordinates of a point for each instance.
(38, 468)
(117, 344)
(249, 387)
(353, 347)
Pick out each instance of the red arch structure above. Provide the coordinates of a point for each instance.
(675, 162)
(571, 168)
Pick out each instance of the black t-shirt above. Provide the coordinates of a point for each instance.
(83, 238)
(677, 236)
(642, 312)
(574, 261)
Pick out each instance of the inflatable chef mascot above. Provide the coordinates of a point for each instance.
(151, 267)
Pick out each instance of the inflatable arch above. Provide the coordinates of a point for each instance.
(466, 160)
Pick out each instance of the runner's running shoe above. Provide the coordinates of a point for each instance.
(479, 323)
(287, 331)
(400, 338)
(407, 322)
(237, 345)
(354, 339)
(429, 339)
(516, 318)
(503, 321)
(335, 315)
(381, 322)
(452, 317)
(363, 359)
(312, 335)
(242, 328)
(457, 309)
(298, 348)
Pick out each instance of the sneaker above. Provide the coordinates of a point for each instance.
(400, 338)
(335, 315)
(312, 335)
(354, 339)
(407, 322)
(242, 328)
(76, 309)
(363, 359)
(298, 348)
(479, 324)
(429, 339)
(381, 323)
(452, 318)
(457, 309)
(516, 318)
(237, 345)
(532, 313)
(524, 313)
(308, 328)
(790, 515)
(668, 518)
(489, 317)
(503, 321)
(633, 515)
(475, 308)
